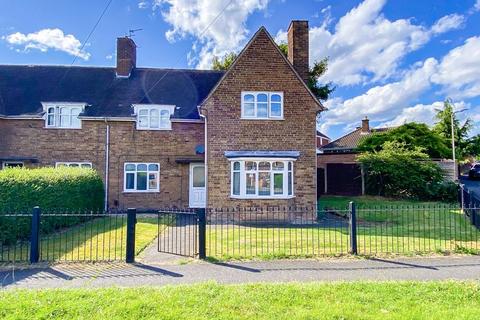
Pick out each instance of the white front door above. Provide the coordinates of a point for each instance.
(197, 194)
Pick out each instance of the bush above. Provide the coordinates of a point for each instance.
(62, 190)
(399, 172)
(445, 192)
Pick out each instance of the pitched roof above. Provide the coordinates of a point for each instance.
(23, 88)
(319, 134)
(263, 30)
(350, 141)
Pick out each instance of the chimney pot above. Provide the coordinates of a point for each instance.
(126, 56)
(298, 43)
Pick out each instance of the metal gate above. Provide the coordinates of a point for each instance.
(178, 232)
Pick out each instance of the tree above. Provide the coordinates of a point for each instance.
(398, 170)
(225, 62)
(444, 128)
(412, 135)
(322, 92)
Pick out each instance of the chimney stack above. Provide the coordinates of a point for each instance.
(126, 57)
(365, 125)
(298, 47)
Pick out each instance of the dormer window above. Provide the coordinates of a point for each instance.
(262, 105)
(63, 115)
(154, 117)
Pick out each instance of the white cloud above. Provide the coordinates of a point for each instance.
(143, 4)
(459, 71)
(46, 39)
(366, 47)
(198, 18)
(447, 23)
(477, 5)
(422, 113)
(381, 102)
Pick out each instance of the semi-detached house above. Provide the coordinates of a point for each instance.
(172, 137)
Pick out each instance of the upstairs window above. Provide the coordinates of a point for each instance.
(63, 116)
(262, 105)
(154, 117)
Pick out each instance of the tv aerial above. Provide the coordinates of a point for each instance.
(131, 32)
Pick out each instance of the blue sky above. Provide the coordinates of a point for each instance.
(390, 61)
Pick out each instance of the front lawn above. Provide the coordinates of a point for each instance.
(359, 300)
(99, 239)
(384, 226)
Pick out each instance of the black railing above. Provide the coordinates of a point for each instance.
(239, 233)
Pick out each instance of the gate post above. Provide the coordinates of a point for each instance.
(202, 233)
(352, 223)
(130, 246)
(35, 236)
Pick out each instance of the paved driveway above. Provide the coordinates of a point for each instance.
(123, 275)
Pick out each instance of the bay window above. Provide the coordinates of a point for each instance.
(265, 178)
(262, 105)
(141, 177)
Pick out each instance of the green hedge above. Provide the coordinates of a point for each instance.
(61, 190)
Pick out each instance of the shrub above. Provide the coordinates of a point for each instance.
(64, 190)
(398, 171)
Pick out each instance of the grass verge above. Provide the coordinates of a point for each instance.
(359, 300)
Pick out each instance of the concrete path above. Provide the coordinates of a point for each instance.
(122, 275)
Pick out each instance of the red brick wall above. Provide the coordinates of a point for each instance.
(261, 68)
(29, 138)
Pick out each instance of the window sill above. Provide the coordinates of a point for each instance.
(154, 129)
(62, 128)
(262, 119)
(262, 197)
(146, 191)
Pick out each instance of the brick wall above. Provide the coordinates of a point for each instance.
(323, 159)
(29, 138)
(261, 68)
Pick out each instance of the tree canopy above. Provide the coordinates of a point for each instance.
(321, 91)
(412, 136)
(464, 146)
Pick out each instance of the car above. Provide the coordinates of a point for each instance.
(474, 172)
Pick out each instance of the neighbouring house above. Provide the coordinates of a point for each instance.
(173, 137)
(338, 172)
(322, 139)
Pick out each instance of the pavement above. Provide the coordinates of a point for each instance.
(193, 271)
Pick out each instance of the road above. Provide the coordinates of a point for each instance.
(351, 269)
(472, 185)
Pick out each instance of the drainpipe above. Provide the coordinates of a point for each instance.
(107, 151)
(206, 157)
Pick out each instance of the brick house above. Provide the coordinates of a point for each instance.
(172, 137)
(338, 171)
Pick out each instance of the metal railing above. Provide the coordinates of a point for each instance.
(239, 233)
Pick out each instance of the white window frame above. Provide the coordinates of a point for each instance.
(150, 108)
(8, 162)
(269, 105)
(70, 163)
(125, 172)
(57, 108)
(243, 172)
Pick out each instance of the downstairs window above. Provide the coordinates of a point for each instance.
(266, 178)
(141, 177)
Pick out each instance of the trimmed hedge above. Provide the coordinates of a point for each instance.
(62, 190)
